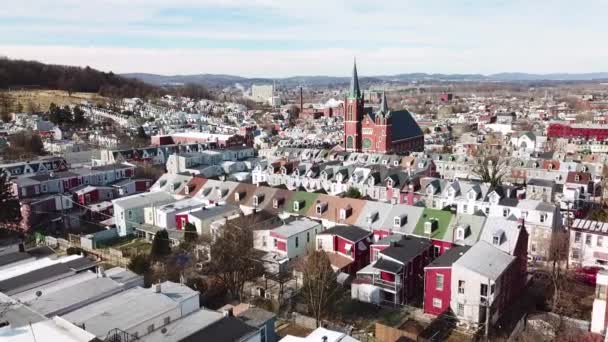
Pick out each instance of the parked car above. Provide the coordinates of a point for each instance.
(587, 275)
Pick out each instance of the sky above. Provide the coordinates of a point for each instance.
(278, 38)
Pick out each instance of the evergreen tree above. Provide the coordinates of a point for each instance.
(161, 246)
(78, 116)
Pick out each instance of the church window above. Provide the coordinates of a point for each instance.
(367, 143)
(349, 142)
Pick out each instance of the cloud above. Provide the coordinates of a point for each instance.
(270, 37)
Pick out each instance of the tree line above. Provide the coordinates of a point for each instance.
(28, 74)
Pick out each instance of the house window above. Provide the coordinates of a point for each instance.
(542, 218)
(129, 213)
(599, 241)
(465, 208)
(461, 284)
(600, 292)
(297, 242)
(150, 328)
(483, 290)
(460, 309)
(263, 334)
(376, 253)
(439, 282)
(575, 254)
(487, 210)
(496, 240)
(296, 206)
(319, 244)
(263, 241)
(437, 303)
(275, 243)
(460, 234)
(397, 222)
(505, 212)
(167, 320)
(588, 239)
(307, 237)
(577, 237)
(436, 251)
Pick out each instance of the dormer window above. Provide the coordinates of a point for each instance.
(396, 163)
(389, 183)
(238, 196)
(257, 199)
(577, 178)
(277, 202)
(345, 212)
(399, 221)
(498, 237)
(384, 162)
(543, 218)
(460, 233)
(430, 226)
(321, 207)
(472, 195)
(297, 205)
(430, 190)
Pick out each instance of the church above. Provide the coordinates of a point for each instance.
(378, 130)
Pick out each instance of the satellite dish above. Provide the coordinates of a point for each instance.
(163, 330)
(38, 293)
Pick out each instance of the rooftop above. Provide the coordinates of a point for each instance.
(295, 227)
(449, 257)
(485, 259)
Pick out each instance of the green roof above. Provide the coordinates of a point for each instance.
(308, 198)
(443, 217)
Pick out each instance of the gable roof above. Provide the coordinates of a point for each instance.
(404, 125)
(449, 257)
(500, 225)
(406, 249)
(350, 233)
(486, 260)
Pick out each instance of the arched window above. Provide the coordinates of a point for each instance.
(350, 141)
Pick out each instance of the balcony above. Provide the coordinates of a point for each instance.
(392, 286)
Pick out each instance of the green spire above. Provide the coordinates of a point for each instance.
(355, 92)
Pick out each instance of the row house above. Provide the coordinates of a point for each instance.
(44, 208)
(599, 315)
(285, 242)
(454, 166)
(438, 280)
(205, 218)
(490, 275)
(89, 194)
(397, 264)
(129, 210)
(32, 167)
(446, 230)
(346, 246)
(173, 215)
(131, 186)
(542, 219)
(152, 154)
(45, 183)
(588, 243)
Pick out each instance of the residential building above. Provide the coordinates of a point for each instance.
(394, 275)
(129, 211)
(346, 246)
(438, 280)
(588, 243)
(290, 240)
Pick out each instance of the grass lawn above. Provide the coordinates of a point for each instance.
(134, 247)
(43, 98)
(444, 217)
(364, 315)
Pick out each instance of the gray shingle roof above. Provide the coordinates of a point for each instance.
(486, 260)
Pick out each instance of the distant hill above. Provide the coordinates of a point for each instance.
(212, 80)
(18, 74)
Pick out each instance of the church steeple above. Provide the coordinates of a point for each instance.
(355, 92)
(383, 111)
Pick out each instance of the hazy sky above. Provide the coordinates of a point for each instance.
(309, 37)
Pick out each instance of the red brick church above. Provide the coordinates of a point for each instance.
(379, 131)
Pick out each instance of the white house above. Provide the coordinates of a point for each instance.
(129, 211)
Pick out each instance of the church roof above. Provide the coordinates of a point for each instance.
(404, 125)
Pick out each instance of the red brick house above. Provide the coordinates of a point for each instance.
(559, 130)
(395, 273)
(346, 246)
(437, 281)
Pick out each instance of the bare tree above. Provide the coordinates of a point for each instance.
(320, 287)
(6, 106)
(233, 259)
(491, 167)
